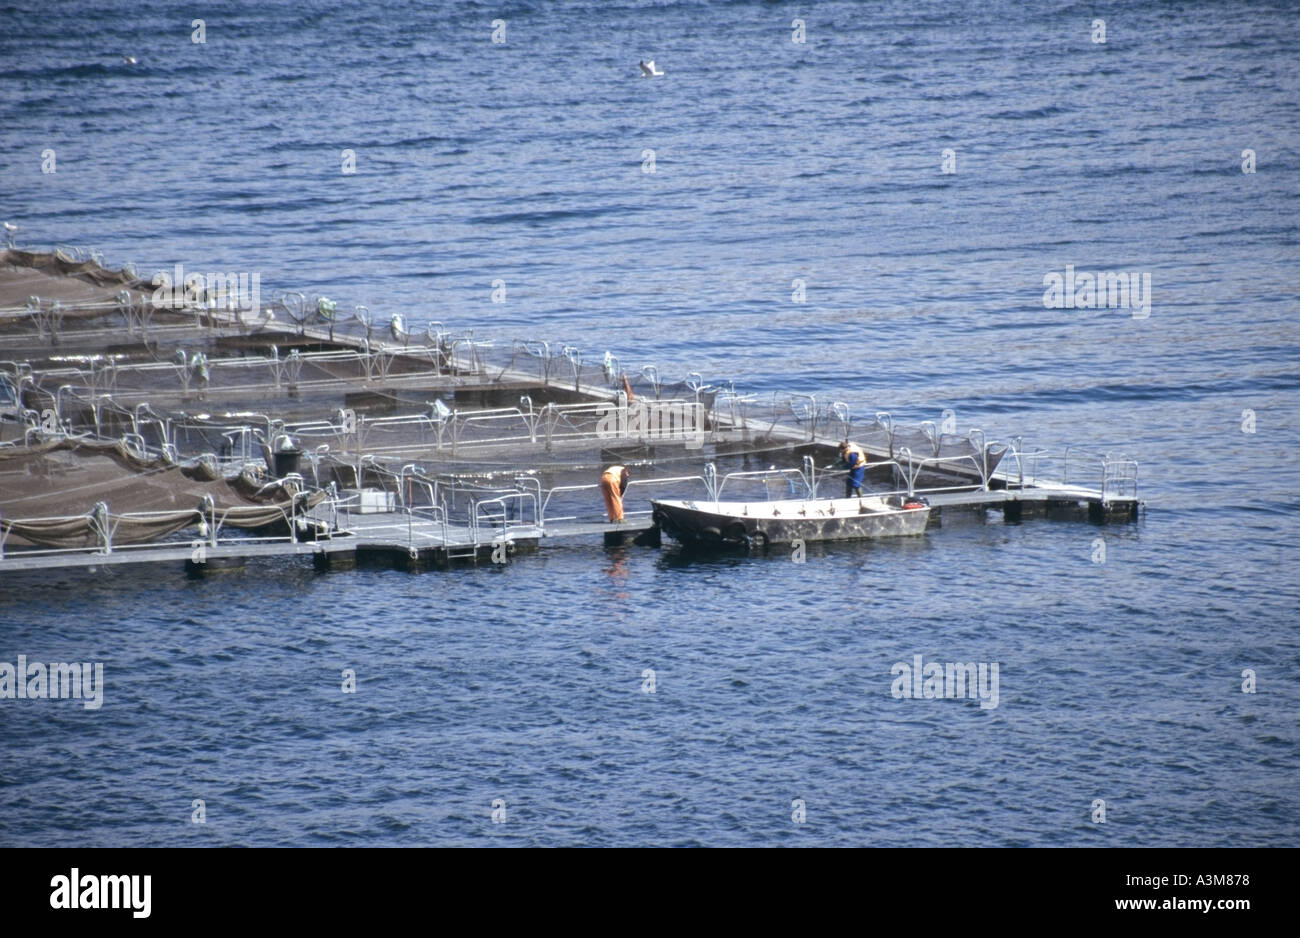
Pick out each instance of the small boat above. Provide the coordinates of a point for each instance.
(759, 524)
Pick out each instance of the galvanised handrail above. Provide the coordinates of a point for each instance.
(476, 516)
(788, 474)
(593, 486)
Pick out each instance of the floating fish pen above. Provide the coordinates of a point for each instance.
(136, 431)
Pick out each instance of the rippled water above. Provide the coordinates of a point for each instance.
(773, 161)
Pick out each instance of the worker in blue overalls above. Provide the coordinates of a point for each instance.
(855, 461)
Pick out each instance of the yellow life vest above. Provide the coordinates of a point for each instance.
(848, 453)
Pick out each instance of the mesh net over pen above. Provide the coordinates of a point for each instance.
(63, 493)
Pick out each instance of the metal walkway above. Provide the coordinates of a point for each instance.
(351, 396)
(402, 539)
(410, 543)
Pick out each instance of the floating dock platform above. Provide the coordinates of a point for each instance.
(204, 435)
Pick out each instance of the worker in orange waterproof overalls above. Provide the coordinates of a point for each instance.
(613, 483)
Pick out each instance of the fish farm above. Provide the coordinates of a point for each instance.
(198, 434)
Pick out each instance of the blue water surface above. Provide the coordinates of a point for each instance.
(774, 161)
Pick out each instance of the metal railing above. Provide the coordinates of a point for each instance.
(544, 517)
(493, 514)
(104, 525)
(804, 489)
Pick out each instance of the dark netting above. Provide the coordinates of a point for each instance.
(915, 440)
(67, 481)
(56, 264)
(952, 446)
(873, 436)
(202, 397)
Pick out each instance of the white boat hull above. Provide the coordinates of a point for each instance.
(787, 520)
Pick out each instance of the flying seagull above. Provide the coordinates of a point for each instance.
(648, 69)
(129, 59)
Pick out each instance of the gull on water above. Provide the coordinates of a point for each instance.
(129, 59)
(648, 69)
